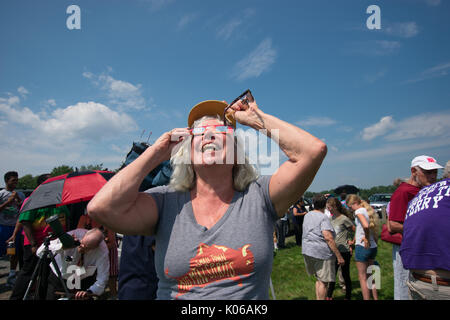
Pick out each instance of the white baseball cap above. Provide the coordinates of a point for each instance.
(426, 163)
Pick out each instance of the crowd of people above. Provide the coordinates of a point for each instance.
(420, 257)
(208, 233)
(27, 232)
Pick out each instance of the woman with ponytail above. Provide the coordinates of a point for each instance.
(366, 238)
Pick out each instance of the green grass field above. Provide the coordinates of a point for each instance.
(291, 282)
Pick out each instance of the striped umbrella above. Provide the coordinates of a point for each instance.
(66, 189)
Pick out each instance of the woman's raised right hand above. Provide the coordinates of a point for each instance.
(165, 144)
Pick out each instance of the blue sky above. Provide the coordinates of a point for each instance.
(378, 98)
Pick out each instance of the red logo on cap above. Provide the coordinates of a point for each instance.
(431, 160)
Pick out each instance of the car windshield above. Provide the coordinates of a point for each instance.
(380, 198)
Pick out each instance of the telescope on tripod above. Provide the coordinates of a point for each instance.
(46, 256)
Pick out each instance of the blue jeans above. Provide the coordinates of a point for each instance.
(401, 275)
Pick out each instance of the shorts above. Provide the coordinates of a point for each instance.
(364, 255)
(323, 270)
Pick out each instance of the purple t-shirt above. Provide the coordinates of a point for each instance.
(426, 235)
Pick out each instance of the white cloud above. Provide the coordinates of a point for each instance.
(83, 121)
(422, 126)
(123, 94)
(433, 3)
(13, 100)
(316, 122)
(388, 150)
(438, 71)
(334, 148)
(23, 92)
(378, 129)
(155, 5)
(21, 116)
(388, 46)
(186, 19)
(427, 125)
(87, 120)
(226, 31)
(120, 149)
(373, 77)
(256, 62)
(119, 87)
(402, 29)
(372, 48)
(79, 134)
(88, 75)
(51, 102)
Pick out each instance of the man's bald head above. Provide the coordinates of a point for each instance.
(91, 239)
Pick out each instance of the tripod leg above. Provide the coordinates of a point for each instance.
(60, 277)
(33, 277)
(42, 280)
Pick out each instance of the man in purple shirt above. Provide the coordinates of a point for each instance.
(424, 249)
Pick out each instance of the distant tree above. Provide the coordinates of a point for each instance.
(366, 193)
(363, 193)
(309, 194)
(57, 171)
(27, 182)
(92, 167)
(119, 168)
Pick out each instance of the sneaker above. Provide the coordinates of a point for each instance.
(11, 281)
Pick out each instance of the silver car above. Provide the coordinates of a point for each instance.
(378, 201)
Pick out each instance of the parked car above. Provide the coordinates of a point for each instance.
(378, 201)
(286, 224)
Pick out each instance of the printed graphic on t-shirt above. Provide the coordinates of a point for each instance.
(215, 263)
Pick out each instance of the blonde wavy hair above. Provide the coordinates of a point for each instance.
(183, 175)
(373, 216)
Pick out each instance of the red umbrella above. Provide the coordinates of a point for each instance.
(67, 188)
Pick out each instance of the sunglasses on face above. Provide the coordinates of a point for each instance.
(245, 97)
(199, 131)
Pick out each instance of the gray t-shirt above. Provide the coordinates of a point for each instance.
(231, 260)
(341, 226)
(313, 241)
(10, 214)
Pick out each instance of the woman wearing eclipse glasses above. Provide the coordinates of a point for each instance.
(213, 223)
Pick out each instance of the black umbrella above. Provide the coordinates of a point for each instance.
(348, 189)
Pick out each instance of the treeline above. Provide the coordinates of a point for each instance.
(363, 193)
(29, 181)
